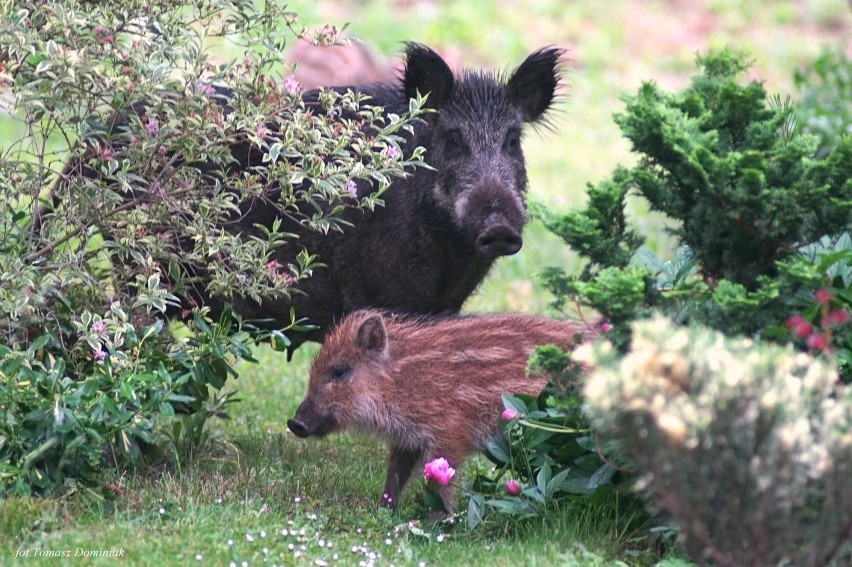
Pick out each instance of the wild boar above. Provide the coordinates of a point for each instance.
(429, 386)
(440, 229)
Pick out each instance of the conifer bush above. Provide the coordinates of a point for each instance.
(118, 122)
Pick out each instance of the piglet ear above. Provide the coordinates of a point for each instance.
(371, 335)
(426, 72)
(533, 85)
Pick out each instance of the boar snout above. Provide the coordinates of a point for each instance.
(499, 240)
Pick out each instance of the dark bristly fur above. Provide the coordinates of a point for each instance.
(429, 386)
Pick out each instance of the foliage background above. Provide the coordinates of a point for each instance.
(251, 479)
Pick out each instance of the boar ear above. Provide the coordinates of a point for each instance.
(426, 72)
(533, 85)
(371, 336)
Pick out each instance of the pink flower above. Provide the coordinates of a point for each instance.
(799, 325)
(99, 327)
(815, 341)
(392, 152)
(605, 327)
(273, 268)
(836, 317)
(513, 488)
(98, 355)
(262, 130)
(291, 85)
(351, 188)
(205, 88)
(156, 189)
(439, 471)
(152, 127)
(107, 154)
(509, 414)
(822, 296)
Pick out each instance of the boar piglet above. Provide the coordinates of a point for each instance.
(429, 386)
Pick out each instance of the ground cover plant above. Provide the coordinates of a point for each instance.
(229, 493)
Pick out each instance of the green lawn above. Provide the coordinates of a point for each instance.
(256, 494)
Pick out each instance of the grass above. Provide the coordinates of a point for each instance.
(256, 494)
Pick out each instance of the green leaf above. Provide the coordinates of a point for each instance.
(497, 449)
(475, 506)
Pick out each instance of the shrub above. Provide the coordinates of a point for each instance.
(748, 446)
(764, 226)
(122, 126)
(763, 223)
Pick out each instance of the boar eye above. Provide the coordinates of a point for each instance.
(339, 372)
(513, 140)
(453, 142)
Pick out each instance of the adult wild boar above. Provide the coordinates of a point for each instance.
(440, 229)
(429, 386)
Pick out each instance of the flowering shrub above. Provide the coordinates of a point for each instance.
(747, 446)
(125, 139)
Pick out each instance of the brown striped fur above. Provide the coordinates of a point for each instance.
(429, 386)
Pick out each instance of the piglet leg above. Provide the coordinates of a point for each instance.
(401, 462)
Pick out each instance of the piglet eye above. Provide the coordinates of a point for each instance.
(339, 372)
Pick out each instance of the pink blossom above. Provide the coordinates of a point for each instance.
(799, 325)
(513, 488)
(98, 355)
(273, 268)
(107, 154)
(351, 188)
(152, 127)
(836, 317)
(822, 296)
(156, 189)
(205, 88)
(133, 139)
(99, 327)
(262, 130)
(509, 414)
(100, 30)
(605, 327)
(439, 471)
(291, 85)
(815, 341)
(391, 152)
